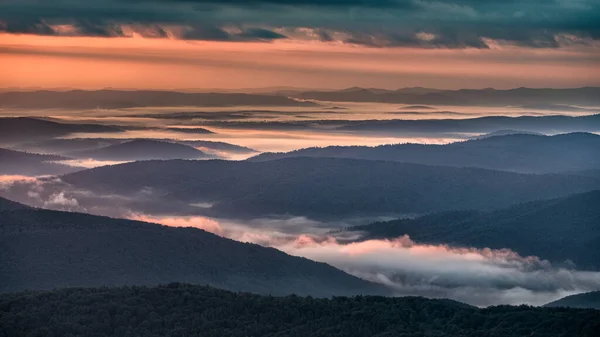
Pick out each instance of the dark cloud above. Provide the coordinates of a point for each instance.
(383, 23)
(98, 29)
(259, 34)
(213, 33)
(37, 27)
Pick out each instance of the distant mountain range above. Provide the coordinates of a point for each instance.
(507, 133)
(24, 129)
(479, 97)
(430, 128)
(186, 310)
(589, 300)
(30, 164)
(559, 230)
(541, 124)
(527, 153)
(113, 99)
(141, 149)
(327, 187)
(42, 249)
(64, 146)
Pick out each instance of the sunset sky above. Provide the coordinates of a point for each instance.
(306, 43)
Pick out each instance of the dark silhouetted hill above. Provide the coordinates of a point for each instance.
(31, 164)
(141, 149)
(557, 230)
(42, 249)
(515, 152)
(185, 310)
(507, 133)
(68, 145)
(9, 205)
(218, 146)
(24, 129)
(328, 186)
(589, 300)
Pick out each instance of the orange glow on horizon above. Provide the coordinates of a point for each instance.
(160, 63)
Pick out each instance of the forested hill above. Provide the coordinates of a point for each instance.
(589, 300)
(42, 249)
(513, 152)
(183, 310)
(9, 205)
(327, 187)
(557, 229)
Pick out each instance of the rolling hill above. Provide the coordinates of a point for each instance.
(42, 249)
(68, 145)
(516, 152)
(557, 230)
(326, 187)
(589, 300)
(32, 164)
(141, 149)
(185, 310)
(25, 129)
(9, 205)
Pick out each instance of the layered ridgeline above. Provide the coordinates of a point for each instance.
(24, 129)
(141, 149)
(31, 164)
(326, 187)
(526, 97)
(564, 229)
(184, 310)
(589, 300)
(64, 146)
(513, 152)
(113, 99)
(42, 249)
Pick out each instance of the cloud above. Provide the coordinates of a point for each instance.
(61, 202)
(206, 224)
(476, 276)
(213, 33)
(383, 23)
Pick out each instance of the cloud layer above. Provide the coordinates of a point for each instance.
(377, 23)
(476, 276)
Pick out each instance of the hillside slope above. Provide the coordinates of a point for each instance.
(42, 249)
(558, 229)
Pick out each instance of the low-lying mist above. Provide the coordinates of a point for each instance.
(480, 277)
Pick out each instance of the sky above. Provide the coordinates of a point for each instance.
(177, 44)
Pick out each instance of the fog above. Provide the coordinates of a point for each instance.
(479, 277)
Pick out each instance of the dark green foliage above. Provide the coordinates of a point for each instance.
(42, 249)
(517, 152)
(183, 310)
(327, 187)
(589, 300)
(558, 230)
